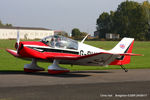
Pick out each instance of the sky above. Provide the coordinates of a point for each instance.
(56, 14)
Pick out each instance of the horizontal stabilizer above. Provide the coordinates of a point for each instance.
(131, 54)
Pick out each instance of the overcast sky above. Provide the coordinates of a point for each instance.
(56, 14)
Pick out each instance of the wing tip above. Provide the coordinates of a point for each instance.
(12, 52)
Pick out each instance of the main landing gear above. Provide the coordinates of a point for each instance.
(56, 69)
(52, 69)
(33, 67)
(123, 68)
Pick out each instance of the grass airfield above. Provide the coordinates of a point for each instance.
(10, 63)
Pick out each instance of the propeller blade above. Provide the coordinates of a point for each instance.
(18, 37)
(18, 40)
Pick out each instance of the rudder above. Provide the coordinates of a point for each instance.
(124, 46)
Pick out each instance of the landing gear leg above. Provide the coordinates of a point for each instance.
(123, 68)
(56, 69)
(33, 67)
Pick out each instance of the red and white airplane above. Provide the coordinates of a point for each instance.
(63, 50)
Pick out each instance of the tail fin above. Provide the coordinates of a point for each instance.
(124, 46)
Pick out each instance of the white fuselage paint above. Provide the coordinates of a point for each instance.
(85, 49)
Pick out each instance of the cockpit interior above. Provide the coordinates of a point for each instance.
(62, 42)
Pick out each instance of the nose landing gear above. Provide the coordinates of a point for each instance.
(33, 67)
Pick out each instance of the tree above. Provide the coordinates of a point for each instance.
(1, 24)
(83, 34)
(63, 33)
(131, 19)
(146, 6)
(103, 23)
(76, 33)
(5, 25)
(8, 25)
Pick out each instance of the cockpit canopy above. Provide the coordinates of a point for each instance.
(57, 41)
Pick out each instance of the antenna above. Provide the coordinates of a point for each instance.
(84, 38)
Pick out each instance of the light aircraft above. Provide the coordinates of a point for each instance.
(63, 50)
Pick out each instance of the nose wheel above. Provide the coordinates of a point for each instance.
(56, 69)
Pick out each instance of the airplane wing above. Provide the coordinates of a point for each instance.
(101, 59)
(93, 59)
(13, 52)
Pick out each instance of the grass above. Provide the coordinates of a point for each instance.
(8, 62)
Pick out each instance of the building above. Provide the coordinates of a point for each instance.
(25, 32)
(112, 36)
(96, 34)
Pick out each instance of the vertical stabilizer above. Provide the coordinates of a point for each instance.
(124, 46)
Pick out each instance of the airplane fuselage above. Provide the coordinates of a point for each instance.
(85, 49)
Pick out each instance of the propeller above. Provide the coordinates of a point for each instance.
(18, 37)
(18, 41)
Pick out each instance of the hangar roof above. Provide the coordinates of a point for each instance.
(26, 28)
